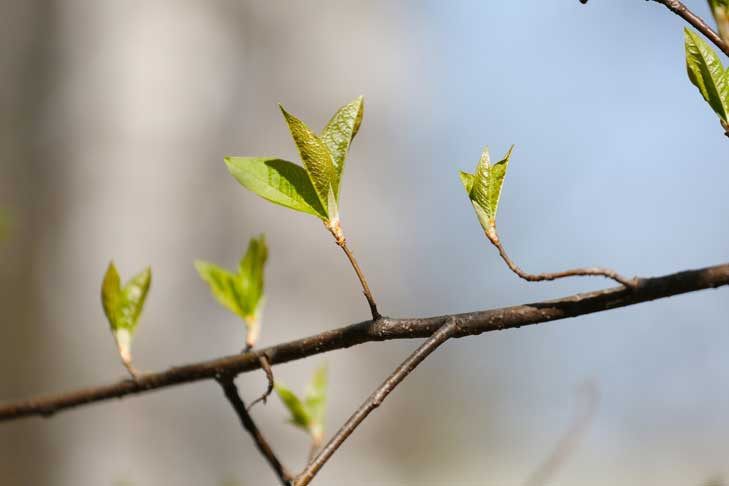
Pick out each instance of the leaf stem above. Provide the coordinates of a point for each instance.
(231, 393)
(575, 272)
(682, 11)
(336, 230)
(440, 336)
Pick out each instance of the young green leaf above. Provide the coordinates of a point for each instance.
(316, 159)
(466, 180)
(241, 293)
(309, 413)
(123, 306)
(111, 294)
(339, 133)
(251, 269)
(224, 287)
(299, 415)
(707, 73)
(484, 187)
(278, 181)
(720, 10)
(315, 398)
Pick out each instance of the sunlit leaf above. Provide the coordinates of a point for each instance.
(339, 133)
(484, 187)
(466, 180)
(299, 415)
(278, 181)
(315, 156)
(707, 73)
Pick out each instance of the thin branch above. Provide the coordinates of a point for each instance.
(682, 11)
(575, 272)
(447, 330)
(472, 323)
(569, 441)
(266, 367)
(231, 393)
(341, 241)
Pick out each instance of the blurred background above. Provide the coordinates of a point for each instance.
(115, 119)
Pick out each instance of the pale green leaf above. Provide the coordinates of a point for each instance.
(123, 306)
(497, 173)
(299, 416)
(278, 181)
(224, 286)
(315, 156)
(135, 293)
(485, 187)
(241, 293)
(707, 73)
(339, 133)
(111, 294)
(466, 180)
(315, 397)
(250, 271)
(487, 183)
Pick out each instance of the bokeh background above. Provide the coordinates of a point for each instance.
(115, 119)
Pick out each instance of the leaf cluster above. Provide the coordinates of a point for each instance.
(123, 305)
(241, 292)
(308, 414)
(484, 188)
(313, 188)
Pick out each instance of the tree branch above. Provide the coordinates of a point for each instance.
(682, 11)
(472, 323)
(439, 337)
(231, 393)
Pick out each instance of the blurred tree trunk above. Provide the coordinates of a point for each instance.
(25, 180)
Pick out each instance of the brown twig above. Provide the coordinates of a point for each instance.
(341, 241)
(231, 393)
(471, 323)
(447, 330)
(266, 367)
(569, 441)
(575, 272)
(682, 11)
